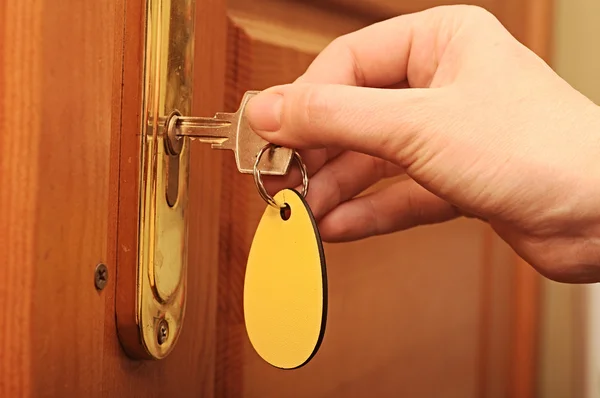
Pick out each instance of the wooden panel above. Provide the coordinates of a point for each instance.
(496, 318)
(294, 24)
(530, 22)
(383, 9)
(55, 114)
(18, 180)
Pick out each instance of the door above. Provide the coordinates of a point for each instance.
(444, 310)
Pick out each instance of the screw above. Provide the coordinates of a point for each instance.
(101, 276)
(163, 332)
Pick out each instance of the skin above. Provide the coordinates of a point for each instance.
(476, 122)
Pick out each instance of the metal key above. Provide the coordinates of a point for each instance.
(230, 131)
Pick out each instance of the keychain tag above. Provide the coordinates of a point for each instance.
(285, 287)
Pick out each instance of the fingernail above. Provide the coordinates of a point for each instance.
(264, 112)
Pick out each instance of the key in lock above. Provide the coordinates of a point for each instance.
(229, 131)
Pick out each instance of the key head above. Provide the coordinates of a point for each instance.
(274, 162)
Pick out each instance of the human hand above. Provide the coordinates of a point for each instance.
(480, 125)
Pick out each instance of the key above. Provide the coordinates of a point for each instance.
(231, 131)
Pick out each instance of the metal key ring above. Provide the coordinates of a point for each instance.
(259, 184)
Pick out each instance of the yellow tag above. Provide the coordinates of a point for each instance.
(285, 288)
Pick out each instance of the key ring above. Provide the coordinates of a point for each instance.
(259, 184)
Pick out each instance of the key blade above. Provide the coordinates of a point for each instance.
(227, 117)
(215, 131)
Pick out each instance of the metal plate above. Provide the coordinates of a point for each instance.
(161, 261)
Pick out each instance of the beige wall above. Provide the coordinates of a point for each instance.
(576, 48)
(569, 353)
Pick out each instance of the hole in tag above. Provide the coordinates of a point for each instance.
(285, 212)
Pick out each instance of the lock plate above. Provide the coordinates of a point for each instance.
(152, 255)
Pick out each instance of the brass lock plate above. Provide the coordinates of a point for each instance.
(152, 230)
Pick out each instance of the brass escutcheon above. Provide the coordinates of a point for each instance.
(160, 297)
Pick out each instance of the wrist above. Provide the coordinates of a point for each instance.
(575, 251)
(559, 231)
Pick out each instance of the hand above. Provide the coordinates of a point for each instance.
(478, 123)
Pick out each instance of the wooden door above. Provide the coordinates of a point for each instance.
(444, 310)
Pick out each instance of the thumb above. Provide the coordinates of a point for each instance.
(386, 123)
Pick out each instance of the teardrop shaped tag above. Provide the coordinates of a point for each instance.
(285, 287)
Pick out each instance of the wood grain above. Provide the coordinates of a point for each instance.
(383, 9)
(496, 318)
(125, 176)
(19, 68)
(56, 108)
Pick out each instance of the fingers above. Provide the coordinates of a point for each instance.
(384, 53)
(379, 122)
(397, 207)
(345, 177)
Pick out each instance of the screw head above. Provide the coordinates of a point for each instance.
(162, 332)
(101, 276)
